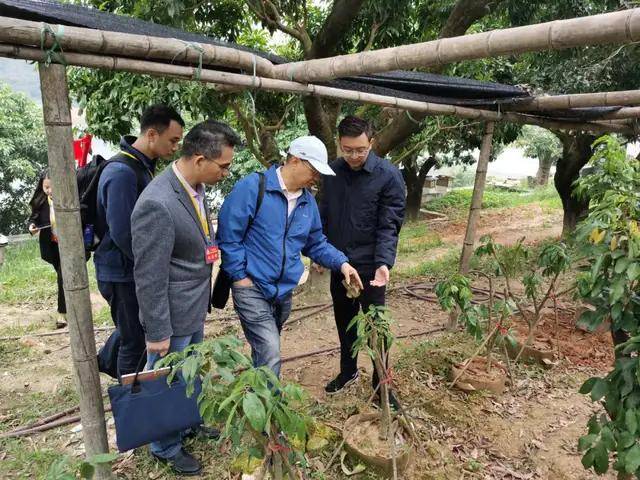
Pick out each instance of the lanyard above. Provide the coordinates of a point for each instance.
(137, 160)
(202, 217)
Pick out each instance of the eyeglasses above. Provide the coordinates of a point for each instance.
(224, 169)
(310, 167)
(355, 152)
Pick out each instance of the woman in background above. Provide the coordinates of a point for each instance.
(43, 221)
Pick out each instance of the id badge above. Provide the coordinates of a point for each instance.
(211, 254)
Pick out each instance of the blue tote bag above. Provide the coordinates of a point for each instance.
(150, 410)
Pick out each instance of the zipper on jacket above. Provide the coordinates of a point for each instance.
(287, 222)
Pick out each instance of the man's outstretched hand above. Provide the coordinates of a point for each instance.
(381, 278)
(351, 275)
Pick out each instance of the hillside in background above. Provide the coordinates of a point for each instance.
(21, 76)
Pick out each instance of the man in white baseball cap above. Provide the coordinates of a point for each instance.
(265, 224)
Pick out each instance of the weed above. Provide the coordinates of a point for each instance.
(27, 279)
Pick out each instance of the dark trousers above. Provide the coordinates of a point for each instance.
(344, 309)
(62, 305)
(123, 302)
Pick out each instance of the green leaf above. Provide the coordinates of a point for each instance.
(631, 421)
(633, 271)
(86, 470)
(601, 459)
(599, 390)
(632, 459)
(100, 458)
(586, 442)
(254, 411)
(588, 459)
(588, 385)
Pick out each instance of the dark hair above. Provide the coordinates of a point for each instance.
(159, 118)
(39, 197)
(207, 138)
(352, 126)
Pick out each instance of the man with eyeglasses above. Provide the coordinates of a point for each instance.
(362, 210)
(265, 223)
(174, 250)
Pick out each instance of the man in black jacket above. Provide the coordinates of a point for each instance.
(362, 210)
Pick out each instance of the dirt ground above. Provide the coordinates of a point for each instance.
(530, 432)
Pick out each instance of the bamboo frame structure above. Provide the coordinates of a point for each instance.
(608, 28)
(276, 85)
(57, 123)
(476, 198)
(575, 100)
(88, 40)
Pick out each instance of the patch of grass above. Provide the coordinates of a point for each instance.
(103, 317)
(441, 267)
(11, 351)
(33, 406)
(24, 461)
(27, 279)
(457, 202)
(416, 237)
(436, 356)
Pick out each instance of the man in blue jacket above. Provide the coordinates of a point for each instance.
(362, 210)
(261, 247)
(118, 190)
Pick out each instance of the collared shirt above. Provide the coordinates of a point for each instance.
(292, 197)
(197, 194)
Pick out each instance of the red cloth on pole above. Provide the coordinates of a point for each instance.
(81, 148)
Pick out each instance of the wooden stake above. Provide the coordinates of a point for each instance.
(270, 84)
(476, 199)
(57, 123)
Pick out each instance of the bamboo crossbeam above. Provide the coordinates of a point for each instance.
(275, 85)
(609, 28)
(87, 40)
(575, 100)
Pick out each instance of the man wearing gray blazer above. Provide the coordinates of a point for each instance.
(174, 249)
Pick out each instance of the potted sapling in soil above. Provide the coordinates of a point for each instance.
(489, 324)
(261, 415)
(541, 278)
(383, 439)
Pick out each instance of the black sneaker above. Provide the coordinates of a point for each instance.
(182, 463)
(203, 432)
(340, 383)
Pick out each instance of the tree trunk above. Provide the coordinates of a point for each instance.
(544, 168)
(476, 199)
(57, 122)
(414, 179)
(576, 151)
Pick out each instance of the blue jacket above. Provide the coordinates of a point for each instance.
(362, 211)
(269, 253)
(117, 195)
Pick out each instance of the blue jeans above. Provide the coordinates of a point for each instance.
(170, 446)
(261, 321)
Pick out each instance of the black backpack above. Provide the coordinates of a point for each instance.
(88, 178)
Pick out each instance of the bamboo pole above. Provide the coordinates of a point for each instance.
(57, 123)
(88, 40)
(575, 100)
(608, 28)
(476, 199)
(250, 81)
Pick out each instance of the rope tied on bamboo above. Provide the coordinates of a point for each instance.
(52, 54)
(411, 117)
(198, 48)
(253, 101)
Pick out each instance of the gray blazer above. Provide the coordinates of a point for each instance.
(173, 281)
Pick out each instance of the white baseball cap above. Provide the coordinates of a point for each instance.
(312, 150)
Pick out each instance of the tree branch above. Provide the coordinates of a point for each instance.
(464, 14)
(338, 22)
